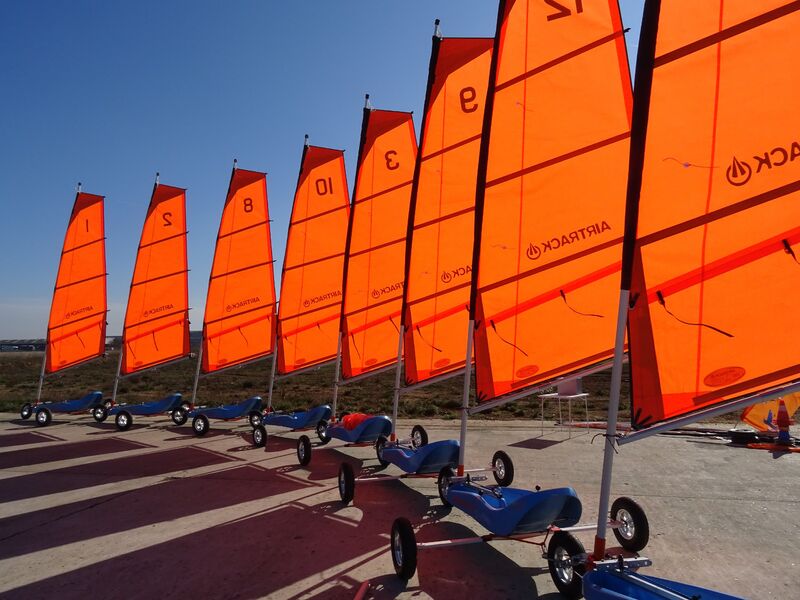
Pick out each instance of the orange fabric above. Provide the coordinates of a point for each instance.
(239, 322)
(373, 293)
(439, 268)
(352, 421)
(764, 416)
(719, 210)
(311, 284)
(157, 318)
(553, 202)
(76, 331)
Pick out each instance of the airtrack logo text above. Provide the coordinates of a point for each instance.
(378, 292)
(740, 171)
(450, 275)
(242, 303)
(155, 311)
(536, 251)
(78, 311)
(317, 299)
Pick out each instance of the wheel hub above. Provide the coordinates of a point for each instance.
(397, 549)
(563, 565)
(626, 529)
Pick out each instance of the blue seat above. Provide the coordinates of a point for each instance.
(88, 402)
(606, 585)
(157, 407)
(426, 459)
(302, 419)
(230, 411)
(517, 511)
(367, 431)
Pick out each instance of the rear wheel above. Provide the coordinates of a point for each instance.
(260, 436)
(26, 411)
(503, 468)
(347, 483)
(100, 413)
(179, 416)
(43, 417)
(124, 420)
(322, 432)
(443, 483)
(255, 418)
(633, 532)
(304, 450)
(200, 425)
(380, 445)
(566, 561)
(419, 437)
(404, 548)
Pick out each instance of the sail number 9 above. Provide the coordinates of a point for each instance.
(563, 11)
(467, 97)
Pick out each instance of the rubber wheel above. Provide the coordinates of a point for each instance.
(404, 549)
(26, 411)
(566, 572)
(380, 444)
(108, 404)
(503, 468)
(322, 432)
(419, 437)
(443, 483)
(43, 417)
(255, 418)
(304, 450)
(259, 436)
(347, 483)
(179, 416)
(742, 436)
(100, 413)
(634, 533)
(124, 420)
(200, 425)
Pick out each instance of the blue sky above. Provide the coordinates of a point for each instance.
(108, 93)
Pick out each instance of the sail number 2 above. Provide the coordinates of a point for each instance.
(563, 11)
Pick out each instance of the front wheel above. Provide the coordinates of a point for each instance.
(347, 483)
(404, 548)
(255, 418)
(633, 531)
(180, 416)
(200, 425)
(124, 420)
(43, 417)
(304, 450)
(26, 411)
(322, 432)
(380, 445)
(502, 468)
(260, 436)
(566, 561)
(100, 413)
(419, 437)
(443, 483)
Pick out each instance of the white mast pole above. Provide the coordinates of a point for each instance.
(41, 374)
(197, 372)
(336, 376)
(396, 397)
(272, 372)
(462, 444)
(119, 368)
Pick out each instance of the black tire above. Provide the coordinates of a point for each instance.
(419, 437)
(404, 549)
(503, 468)
(634, 533)
(322, 432)
(380, 444)
(43, 417)
(260, 436)
(109, 404)
(254, 418)
(26, 411)
(742, 437)
(566, 564)
(123, 420)
(200, 425)
(443, 483)
(304, 450)
(347, 483)
(180, 416)
(100, 413)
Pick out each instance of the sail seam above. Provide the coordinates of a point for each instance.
(166, 239)
(84, 245)
(313, 262)
(378, 247)
(143, 281)
(322, 214)
(383, 192)
(455, 146)
(70, 284)
(239, 314)
(230, 233)
(242, 269)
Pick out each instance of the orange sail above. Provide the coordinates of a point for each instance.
(550, 199)
(311, 284)
(376, 242)
(239, 322)
(157, 318)
(713, 246)
(764, 415)
(76, 331)
(441, 222)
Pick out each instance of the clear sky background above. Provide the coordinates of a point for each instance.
(108, 93)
